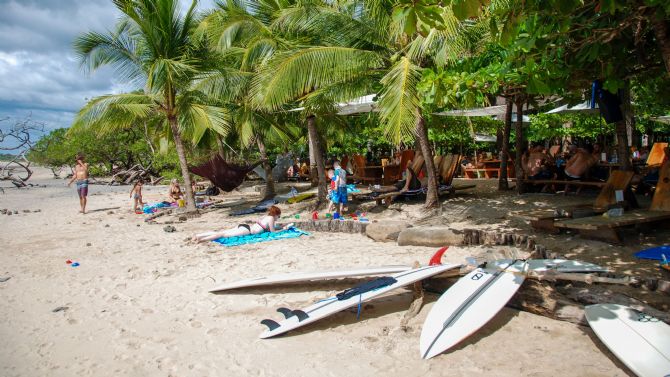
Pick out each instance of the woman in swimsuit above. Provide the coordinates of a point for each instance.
(175, 191)
(264, 224)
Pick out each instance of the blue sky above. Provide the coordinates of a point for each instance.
(39, 74)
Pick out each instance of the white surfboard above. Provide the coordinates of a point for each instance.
(558, 265)
(296, 277)
(640, 341)
(468, 305)
(332, 305)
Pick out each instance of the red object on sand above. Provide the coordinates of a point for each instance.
(436, 259)
(68, 261)
(315, 215)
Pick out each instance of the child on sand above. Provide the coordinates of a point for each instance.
(136, 194)
(340, 186)
(331, 191)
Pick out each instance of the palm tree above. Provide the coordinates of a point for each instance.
(351, 46)
(153, 46)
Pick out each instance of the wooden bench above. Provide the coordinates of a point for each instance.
(544, 219)
(606, 228)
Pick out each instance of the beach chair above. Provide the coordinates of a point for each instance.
(657, 155)
(364, 173)
(544, 219)
(608, 228)
(386, 194)
(392, 172)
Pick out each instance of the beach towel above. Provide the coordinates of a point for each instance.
(152, 208)
(655, 253)
(351, 188)
(260, 207)
(261, 237)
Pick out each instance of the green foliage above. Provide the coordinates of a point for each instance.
(103, 152)
(456, 134)
(549, 126)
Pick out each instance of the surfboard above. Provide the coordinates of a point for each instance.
(558, 265)
(640, 341)
(296, 277)
(324, 308)
(300, 197)
(468, 305)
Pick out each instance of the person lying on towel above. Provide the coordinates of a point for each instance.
(264, 224)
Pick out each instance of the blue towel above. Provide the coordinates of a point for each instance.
(654, 253)
(151, 208)
(352, 188)
(261, 237)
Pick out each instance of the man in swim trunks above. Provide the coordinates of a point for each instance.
(81, 176)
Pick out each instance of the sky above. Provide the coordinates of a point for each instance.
(39, 72)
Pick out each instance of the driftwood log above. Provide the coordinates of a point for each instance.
(136, 172)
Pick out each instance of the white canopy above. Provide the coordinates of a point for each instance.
(584, 107)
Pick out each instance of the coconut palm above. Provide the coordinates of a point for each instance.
(362, 42)
(152, 47)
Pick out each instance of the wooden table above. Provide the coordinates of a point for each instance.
(491, 169)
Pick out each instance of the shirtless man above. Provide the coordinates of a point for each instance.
(579, 164)
(81, 176)
(534, 164)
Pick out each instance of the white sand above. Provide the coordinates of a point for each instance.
(138, 304)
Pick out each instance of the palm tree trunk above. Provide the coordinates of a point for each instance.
(503, 184)
(432, 199)
(313, 171)
(518, 129)
(190, 199)
(318, 160)
(269, 181)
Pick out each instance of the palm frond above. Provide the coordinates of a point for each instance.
(399, 104)
(292, 74)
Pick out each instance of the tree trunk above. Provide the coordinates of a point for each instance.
(222, 150)
(317, 160)
(622, 129)
(518, 129)
(313, 171)
(269, 180)
(663, 39)
(503, 184)
(432, 199)
(190, 199)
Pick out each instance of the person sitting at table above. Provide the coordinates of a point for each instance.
(535, 163)
(578, 165)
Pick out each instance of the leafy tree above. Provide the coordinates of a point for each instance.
(152, 46)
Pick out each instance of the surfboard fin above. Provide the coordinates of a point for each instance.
(288, 313)
(270, 324)
(301, 315)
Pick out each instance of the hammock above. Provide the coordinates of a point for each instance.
(222, 174)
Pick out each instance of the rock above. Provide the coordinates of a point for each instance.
(3, 211)
(60, 309)
(88, 244)
(26, 211)
(110, 212)
(386, 231)
(9, 213)
(37, 210)
(183, 218)
(169, 229)
(16, 212)
(437, 236)
(106, 225)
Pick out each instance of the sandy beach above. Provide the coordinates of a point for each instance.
(138, 303)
